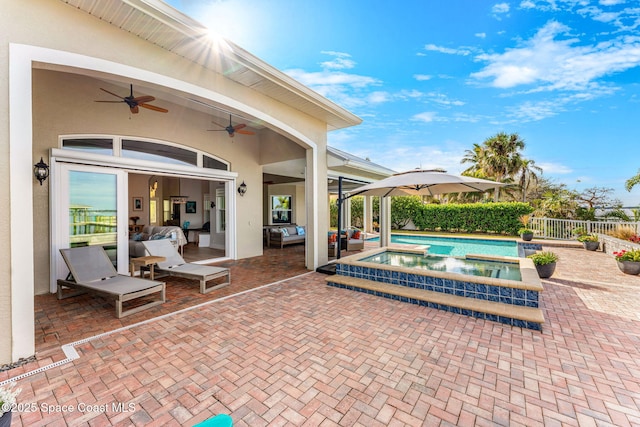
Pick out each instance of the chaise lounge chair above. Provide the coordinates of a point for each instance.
(175, 265)
(94, 273)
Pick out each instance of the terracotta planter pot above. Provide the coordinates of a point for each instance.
(545, 271)
(629, 267)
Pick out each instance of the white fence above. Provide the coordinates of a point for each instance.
(551, 228)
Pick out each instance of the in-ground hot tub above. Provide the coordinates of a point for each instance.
(501, 289)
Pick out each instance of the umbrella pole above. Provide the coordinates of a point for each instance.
(339, 240)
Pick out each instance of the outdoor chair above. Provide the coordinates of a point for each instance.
(175, 265)
(92, 272)
(354, 240)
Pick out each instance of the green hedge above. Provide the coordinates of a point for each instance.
(499, 218)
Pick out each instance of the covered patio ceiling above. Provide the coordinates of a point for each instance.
(166, 27)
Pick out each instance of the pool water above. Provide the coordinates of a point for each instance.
(459, 246)
(468, 266)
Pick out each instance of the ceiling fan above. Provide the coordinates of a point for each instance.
(231, 129)
(135, 102)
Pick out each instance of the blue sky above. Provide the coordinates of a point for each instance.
(430, 78)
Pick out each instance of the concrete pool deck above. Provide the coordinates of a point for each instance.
(298, 352)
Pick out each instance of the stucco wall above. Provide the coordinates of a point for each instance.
(63, 103)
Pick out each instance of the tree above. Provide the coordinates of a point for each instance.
(633, 181)
(403, 209)
(502, 157)
(598, 196)
(496, 158)
(528, 175)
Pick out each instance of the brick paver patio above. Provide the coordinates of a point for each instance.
(301, 353)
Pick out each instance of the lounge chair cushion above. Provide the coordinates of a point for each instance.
(176, 266)
(93, 271)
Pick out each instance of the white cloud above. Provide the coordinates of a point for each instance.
(534, 111)
(348, 90)
(422, 77)
(442, 99)
(551, 168)
(558, 64)
(447, 50)
(500, 8)
(481, 35)
(424, 155)
(341, 61)
(427, 116)
(527, 4)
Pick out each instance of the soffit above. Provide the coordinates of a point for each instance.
(164, 26)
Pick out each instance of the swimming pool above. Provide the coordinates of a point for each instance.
(458, 246)
(475, 285)
(468, 266)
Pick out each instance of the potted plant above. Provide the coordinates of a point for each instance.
(589, 241)
(545, 263)
(7, 403)
(628, 261)
(525, 232)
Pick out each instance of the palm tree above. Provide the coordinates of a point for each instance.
(497, 157)
(633, 181)
(502, 157)
(476, 157)
(527, 175)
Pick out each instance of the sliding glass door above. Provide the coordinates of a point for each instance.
(91, 210)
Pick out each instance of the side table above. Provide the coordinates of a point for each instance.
(145, 261)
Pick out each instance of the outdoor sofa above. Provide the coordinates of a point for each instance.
(286, 235)
(154, 232)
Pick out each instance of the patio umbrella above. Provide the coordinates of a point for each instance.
(417, 183)
(423, 183)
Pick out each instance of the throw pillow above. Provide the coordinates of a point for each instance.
(333, 237)
(356, 235)
(300, 230)
(285, 232)
(157, 236)
(137, 237)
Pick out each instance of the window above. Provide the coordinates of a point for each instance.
(93, 145)
(221, 211)
(211, 163)
(280, 209)
(156, 151)
(144, 150)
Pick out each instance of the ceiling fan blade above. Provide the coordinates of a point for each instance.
(115, 102)
(111, 93)
(134, 109)
(218, 124)
(143, 99)
(245, 132)
(154, 108)
(239, 126)
(216, 130)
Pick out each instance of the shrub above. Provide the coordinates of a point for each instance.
(623, 233)
(543, 258)
(624, 255)
(587, 238)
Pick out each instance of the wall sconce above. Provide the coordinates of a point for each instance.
(242, 189)
(41, 170)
